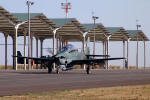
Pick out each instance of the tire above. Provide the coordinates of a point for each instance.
(88, 70)
(57, 71)
(49, 69)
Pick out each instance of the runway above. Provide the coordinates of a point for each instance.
(35, 81)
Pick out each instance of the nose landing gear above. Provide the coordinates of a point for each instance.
(57, 70)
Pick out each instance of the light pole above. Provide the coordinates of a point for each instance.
(66, 6)
(94, 18)
(29, 3)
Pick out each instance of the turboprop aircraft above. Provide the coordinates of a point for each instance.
(69, 56)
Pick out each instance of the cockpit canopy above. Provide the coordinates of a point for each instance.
(68, 48)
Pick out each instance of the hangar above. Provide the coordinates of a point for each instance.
(61, 30)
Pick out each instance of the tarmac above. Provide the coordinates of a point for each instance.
(36, 81)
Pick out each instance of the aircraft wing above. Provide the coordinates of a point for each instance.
(35, 58)
(19, 56)
(98, 55)
(90, 61)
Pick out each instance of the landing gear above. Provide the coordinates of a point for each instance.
(57, 70)
(49, 69)
(88, 69)
(93, 66)
(53, 65)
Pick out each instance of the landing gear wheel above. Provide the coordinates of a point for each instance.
(57, 70)
(88, 70)
(49, 69)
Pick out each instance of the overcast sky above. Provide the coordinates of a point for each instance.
(111, 13)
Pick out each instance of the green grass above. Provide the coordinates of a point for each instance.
(113, 93)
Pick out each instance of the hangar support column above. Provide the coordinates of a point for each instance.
(54, 44)
(31, 45)
(14, 37)
(13, 52)
(6, 36)
(62, 43)
(127, 61)
(137, 54)
(144, 54)
(25, 67)
(107, 44)
(31, 48)
(123, 54)
(103, 48)
(84, 41)
(59, 44)
(41, 40)
(16, 46)
(54, 37)
(83, 45)
(37, 51)
(16, 43)
(105, 53)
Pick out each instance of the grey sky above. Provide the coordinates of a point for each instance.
(110, 12)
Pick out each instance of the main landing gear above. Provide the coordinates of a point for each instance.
(49, 69)
(88, 69)
(57, 70)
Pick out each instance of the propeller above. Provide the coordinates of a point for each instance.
(49, 51)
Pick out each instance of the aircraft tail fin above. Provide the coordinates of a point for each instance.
(19, 54)
(20, 60)
(87, 48)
